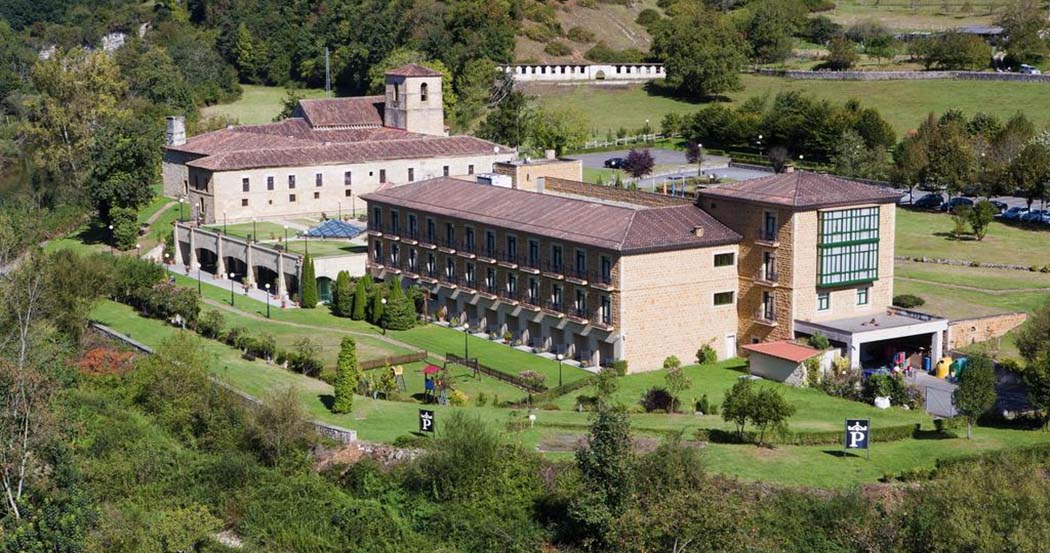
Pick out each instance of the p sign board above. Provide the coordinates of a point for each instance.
(426, 421)
(858, 434)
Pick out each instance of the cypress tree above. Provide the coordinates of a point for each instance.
(343, 296)
(308, 285)
(399, 312)
(360, 302)
(375, 310)
(347, 377)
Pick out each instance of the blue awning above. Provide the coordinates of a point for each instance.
(334, 228)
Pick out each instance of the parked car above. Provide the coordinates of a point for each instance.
(1029, 70)
(955, 202)
(1014, 213)
(1044, 218)
(929, 201)
(1033, 216)
(1000, 207)
(614, 163)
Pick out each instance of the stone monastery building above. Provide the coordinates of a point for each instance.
(600, 274)
(320, 160)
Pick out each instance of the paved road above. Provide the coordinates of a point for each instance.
(713, 165)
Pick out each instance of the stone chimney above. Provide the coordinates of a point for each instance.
(176, 135)
(698, 231)
(550, 154)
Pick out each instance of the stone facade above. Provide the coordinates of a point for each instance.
(527, 175)
(414, 104)
(213, 194)
(667, 306)
(571, 72)
(964, 332)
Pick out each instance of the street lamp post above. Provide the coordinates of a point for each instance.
(267, 286)
(224, 222)
(340, 205)
(181, 218)
(382, 321)
(231, 288)
(167, 259)
(285, 237)
(138, 250)
(200, 291)
(559, 357)
(110, 239)
(466, 345)
(255, 237)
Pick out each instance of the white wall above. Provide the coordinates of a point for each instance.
(555, 72)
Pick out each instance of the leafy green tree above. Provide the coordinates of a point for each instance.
(291, 99)
(308, 284)
(676, 379)
(736, 406)
(125, 221)
(981, 217)
(975, 394)
(510, 123)
(1033, 338)
(772, 26)
(246, 56)
(1036, 377)
(842, 54)
(607, 474)
(853, 158)
(702, 53)
(78, 91)
(952, 50)
(126, 156)
(881, 47)
(1024, 28)
(639, 163)
(557, 129)
(769, 410)
(343, 296)
(1029, 172)
(347, 376)
(821, 29)
(360, 302)
(152, 74)
(474, 92)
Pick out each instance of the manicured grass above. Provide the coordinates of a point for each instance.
(265, 229)
(258, 104)
(926, 234)
(815, 409)
(607, 176)
(326, 248)
(817, 466)
(441, 340)
(919, 16)
(903, 103)
(963, 292)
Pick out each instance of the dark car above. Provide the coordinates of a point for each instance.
(1001, 207)
(955, 202)
(615, 163)
(929, 201)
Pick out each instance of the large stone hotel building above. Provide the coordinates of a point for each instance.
(602, 275)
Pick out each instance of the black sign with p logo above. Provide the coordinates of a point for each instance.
(426, 421)
(857, 433)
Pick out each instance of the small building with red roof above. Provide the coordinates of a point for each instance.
(781, 361)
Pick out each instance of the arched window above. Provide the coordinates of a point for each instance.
(423, 93)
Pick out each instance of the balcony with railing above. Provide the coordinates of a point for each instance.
(446, 246)
(577, 275)
(555, 308)
(508, 259)
(766, 315)
(488, 255)
(766, 237)
(601, 280)
(551, 269)
(467, 249)
(767, 276)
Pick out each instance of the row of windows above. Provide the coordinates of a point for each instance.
(292, 198)
(531, 256)
(246, 184)
(847, 226)
(824, 298)
(491, 282)
(848, 264)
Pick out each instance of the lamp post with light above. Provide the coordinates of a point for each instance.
(182, 219)
(466, 345)
(231, 287)
(559, 357)
(267, 286)
(110, 239)
(382, 321)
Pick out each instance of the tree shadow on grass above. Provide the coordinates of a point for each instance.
(934, 435)
(654, 88)
(328, 400)
(94, 233)
(956, 237)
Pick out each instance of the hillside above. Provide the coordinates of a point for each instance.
(613, 24)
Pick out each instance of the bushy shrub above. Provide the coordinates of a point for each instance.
(845, 384)
(602, 53)
(706, 355)
(210, 325)
(557, 48)
(647, 17)
(893, 387)
(706, 406)
(658, 399)
(620, 367)
(819, 341)
(580, 34)
(908, 301)
(125, 221)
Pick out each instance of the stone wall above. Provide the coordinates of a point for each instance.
(903, 75)
(609, 193)
(570, 72)
(964, 332)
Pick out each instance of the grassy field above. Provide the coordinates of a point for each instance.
(326, 248)
(903, 103)
(902, 15)
(816, 466)
(258, 104)
(925, 234)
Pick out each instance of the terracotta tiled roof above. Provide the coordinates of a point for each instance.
(803, 190)
(413, 70)
(628, 230)
(786, 350)
(342, 153)
(342, 112)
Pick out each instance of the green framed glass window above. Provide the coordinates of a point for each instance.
(848, 246)
(823, 301)
(862, 296)
(724, 259)
(724, 298)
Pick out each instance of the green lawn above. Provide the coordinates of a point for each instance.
(441, 340)
(258, 104)
(326, 248)
(265, 229)
(903, 103)
(929, 235)
(817, 466)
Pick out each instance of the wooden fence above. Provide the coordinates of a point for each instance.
(393, 360)
(489, 371)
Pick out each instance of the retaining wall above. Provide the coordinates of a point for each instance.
(964, 332)
(903, 75)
